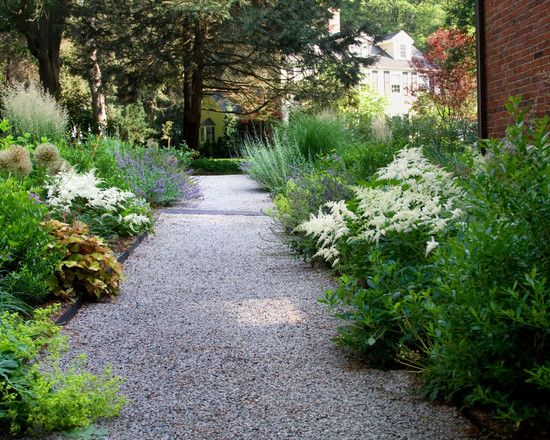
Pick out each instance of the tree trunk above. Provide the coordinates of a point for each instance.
(44, 35)
(99, 108)
(49, 66)
(193, 87)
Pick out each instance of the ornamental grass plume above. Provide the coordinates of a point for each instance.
(16, 161)
(32, 110)
(47, 156)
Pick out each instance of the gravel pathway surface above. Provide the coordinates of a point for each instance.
(219, 335)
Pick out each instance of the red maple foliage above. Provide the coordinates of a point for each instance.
(449, 64)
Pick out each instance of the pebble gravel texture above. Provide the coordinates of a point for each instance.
(219, 335)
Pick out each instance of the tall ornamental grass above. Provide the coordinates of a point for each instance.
(317, 135)
(273, 163)
(293, 149)
(32, 110)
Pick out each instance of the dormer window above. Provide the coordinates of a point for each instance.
(403, 51)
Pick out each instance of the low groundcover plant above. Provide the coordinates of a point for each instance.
(38, 396)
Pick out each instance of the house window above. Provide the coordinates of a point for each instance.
(414, 81)
(208, 134)
(405, 82)
(395, 83)
(403, 50)
(374, 81)
(386, 82)
(422, 83)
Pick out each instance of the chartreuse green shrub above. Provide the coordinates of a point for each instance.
(36, 395)
(27, 253)
(490, 319)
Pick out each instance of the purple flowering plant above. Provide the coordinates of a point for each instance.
(157, 176)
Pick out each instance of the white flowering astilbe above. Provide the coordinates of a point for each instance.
(412, 193)
(68, 185)
(136, 222)
(328, 228)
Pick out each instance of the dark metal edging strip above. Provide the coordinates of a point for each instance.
(184, 211)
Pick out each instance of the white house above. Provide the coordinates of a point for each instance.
(392, 75)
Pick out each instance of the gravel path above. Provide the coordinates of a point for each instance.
(219, 336)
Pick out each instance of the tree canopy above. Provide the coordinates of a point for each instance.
(167, 55)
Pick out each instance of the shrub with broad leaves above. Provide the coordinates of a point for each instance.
(88, 264)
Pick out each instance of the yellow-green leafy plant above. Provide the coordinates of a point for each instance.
(89, 265)
(37, 395)
(16, 161)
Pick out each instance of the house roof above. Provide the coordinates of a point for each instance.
(389, 36)
(395, 34)
(386, 61)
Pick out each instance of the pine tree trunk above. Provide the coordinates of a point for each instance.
(44, 35)
(99, 108)
(193, 88)
(49, 66)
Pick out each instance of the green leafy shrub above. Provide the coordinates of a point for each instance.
(361, 160)
(88, 265)
(27, 258)
(129, 122)
(381, 241)
(217, 166)
(442, 141)
(33, 111)
(37, 396)
(361, 108)
(491, 325)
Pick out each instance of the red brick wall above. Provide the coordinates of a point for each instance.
(517, 57)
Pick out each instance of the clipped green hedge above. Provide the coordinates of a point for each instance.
(217, 166)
